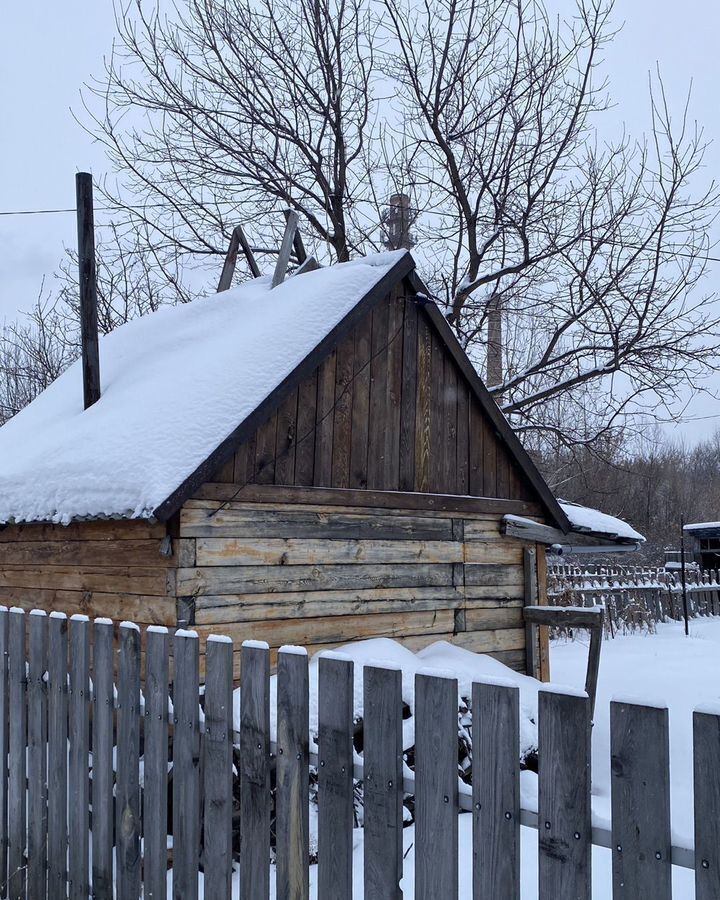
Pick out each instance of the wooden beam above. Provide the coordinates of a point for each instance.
(88, 288)
(285, 248)
(298, 245)
(308, 265)
(237, 240)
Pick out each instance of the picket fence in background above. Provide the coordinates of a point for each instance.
(72, 824)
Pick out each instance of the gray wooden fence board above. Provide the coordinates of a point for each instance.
(640, 787)
(127, 802)
(293, 784)
(496, 792)
(102, 759)
(78, 771)
(186, 767)
(436, 788)
(564, 835)
(706, 729)
(57, 756)
(37, 755)
(17, 759)
(254, 773)
(218, 764)
(4, 723)
(335, 779)
(382, 768)
(155, 820)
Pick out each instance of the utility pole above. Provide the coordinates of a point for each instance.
(88, 288)
(682, 570)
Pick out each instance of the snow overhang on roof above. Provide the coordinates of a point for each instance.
(175, 384)
(703, 529)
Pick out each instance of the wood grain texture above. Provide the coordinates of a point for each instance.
(78, 773)
(706, 760)
(17, 761)
(564, 824)
(292, 811)
(436, 804)
(57, 757)
(103, 724)
(128, 826)
(155, 818)
(37, 756)
(382, 761)
(335, 779)
(255, 774)
(640, 783)
(4, 742)
(496, 792)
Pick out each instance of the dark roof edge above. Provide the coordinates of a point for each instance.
(492, 410)
(401, 269)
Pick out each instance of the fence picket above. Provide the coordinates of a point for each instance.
(382, 769)
(255, 772)
(37, 755)
(127, 804)
(218, 762)
(155, 818)
(78, 774)
(706, 734)
(57, 756)
(496, 792)
(335, 778)
(186, 767)
(102, 760)
(564, 824)
(292, 827)
(4, 723)
(17, 756)
(640, 789)
(436, 788)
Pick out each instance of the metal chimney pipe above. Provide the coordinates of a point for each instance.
(88, 288)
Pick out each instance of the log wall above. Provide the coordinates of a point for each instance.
(322, 574)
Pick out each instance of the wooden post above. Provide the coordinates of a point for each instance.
(102, 750)
(17, 759)
(4, 722)
(285, 248)
(37, 755)
(78, 771)
(682, 573)
(88, 288)
(155, 818)
(237, 240)
(128, 755)
(706, 731)
(57, 755)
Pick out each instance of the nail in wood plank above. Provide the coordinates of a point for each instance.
(155, 816)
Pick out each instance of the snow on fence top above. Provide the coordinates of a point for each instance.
(584, 518)
(175, 384)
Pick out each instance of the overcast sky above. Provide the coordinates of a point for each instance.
(48, 48)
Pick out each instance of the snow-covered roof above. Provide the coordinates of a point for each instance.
(175, 384)
(586, 519)
(701, 526)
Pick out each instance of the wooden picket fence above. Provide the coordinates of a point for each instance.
(92, 829)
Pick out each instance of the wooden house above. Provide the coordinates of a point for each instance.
(312, 464)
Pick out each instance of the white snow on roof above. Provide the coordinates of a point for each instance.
(698, 526)
(584, 518)
(175, 384)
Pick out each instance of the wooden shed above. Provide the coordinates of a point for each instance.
(312, 464)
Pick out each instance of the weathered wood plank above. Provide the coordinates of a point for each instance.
(255, 774)
(491, 641)
(487, 552)
(112, 530)
(324, 416)
(496, 792)
(292, 824)
(379, 419)
(155, 610)
(490, 453)
(462, 458)
(391, 449)
(640, 786)
(382, 759)
(286, 440)
(439, 421)
(499, 617)
(493, 574)
(186, 766)
(218, 769)
(335, 788)
(342, 421)
(4, 742)
(130, 553)
(706, 763)
(564, 797)
(115, 580)
(436, 792)
(127, 807)
(450, 416)
(102, 750)
(476, 481)
(361, 404)
(37, 755)
(406, 480)
(57, 756)
(155, 817)
(78, 773)
(305, 449)
(265, 442)
(423, 409)
(17, 803)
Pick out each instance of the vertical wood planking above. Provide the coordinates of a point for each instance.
(423, 413)
(37, 755)
(408, 399)
(78, 774)
(640, 783)
(391, 467)
(286, 439)
(57, 756)
(4, 725)
(476, 483)
(530, 599)
(564, 826)
(378, 396)
(361, 404)
(382, 763)
(324, 415)
(265, 451)
(438, 419)
(449, 413)
(155, 817)
(496, 792)
(102, 748)
(436, 788)
(706, 742)
(490, 443)
(305, 449)
(255, 772)
(292, 823)
(128, 825)
(17, 756)
(186, 766)
(218, 766)
(462, 463)
(342, 420)
(335, 778)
